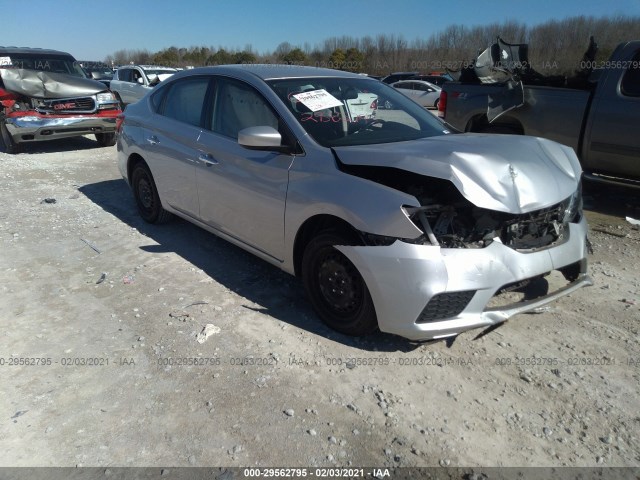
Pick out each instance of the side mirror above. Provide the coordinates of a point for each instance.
(140, 80)
(262, 138)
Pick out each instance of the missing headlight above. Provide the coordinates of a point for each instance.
(463, 225)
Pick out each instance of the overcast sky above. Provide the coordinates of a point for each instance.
(92, 30)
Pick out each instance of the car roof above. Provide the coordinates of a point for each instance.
(415, 80)
(271, 71)
(149, 67)
(22, 50)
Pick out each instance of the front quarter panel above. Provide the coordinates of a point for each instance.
(317, 187)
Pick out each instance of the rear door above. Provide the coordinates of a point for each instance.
(613, 142)
(171, 141)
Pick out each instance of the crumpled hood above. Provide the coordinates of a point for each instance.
(507, 173)
(38, 84)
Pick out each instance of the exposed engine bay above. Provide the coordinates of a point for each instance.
(449, 220)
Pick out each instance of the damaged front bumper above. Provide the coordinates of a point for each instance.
(424, 292)
(27, 128)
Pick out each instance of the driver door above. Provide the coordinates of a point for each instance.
(242, 192)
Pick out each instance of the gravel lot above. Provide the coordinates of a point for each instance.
(105, 311)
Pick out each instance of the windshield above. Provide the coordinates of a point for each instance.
(349, 111)
(48, 63)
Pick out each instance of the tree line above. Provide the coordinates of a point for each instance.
(555, 47)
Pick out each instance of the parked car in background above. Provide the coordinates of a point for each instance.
(46, 95)
(98, 71)
(131, 83)
(397, 76)
(438, 80)
(391, 221)
(423, 93)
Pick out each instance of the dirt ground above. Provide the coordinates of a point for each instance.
(100, 363)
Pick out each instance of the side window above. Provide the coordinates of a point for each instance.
(156, 98)
(240, 106)
(406, 85)
(135, 75)
(185, 100)
(124, 74)
(630, 85)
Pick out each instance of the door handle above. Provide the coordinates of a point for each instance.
(153, 140)
(207, 159)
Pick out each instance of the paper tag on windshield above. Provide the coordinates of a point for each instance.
(5, 61)
(317, 100)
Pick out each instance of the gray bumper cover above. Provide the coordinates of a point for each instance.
(403, 277)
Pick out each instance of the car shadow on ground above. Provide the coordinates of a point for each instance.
(60, 145)
(277, 293)
(614, 200)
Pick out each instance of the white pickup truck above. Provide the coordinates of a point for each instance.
(132, 82)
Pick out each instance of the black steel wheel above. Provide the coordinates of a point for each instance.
(146, 195)
(336, 289)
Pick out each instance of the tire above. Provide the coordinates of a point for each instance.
(436, 103)
(146, 194)
(335, 288)
(7, 144)
(106, 139)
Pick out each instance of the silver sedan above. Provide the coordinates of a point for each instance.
(422, 92)
(390, 220)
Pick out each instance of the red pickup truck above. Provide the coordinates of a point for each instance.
(45, 94)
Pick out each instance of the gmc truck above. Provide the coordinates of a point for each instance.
(45, 95)
(596, 111)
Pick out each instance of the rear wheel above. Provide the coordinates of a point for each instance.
(146, 195)
(336, 289)
(6, 142)
(106, 139)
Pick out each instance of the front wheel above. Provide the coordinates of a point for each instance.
(146, 195)
(336, 289)
(106, 139)
(6, 142)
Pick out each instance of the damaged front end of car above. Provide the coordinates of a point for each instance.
(471, 266)
(38, 105)
(461, 224)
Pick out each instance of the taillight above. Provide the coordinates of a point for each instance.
(442, 104)
(374, 104)
(119, 122)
